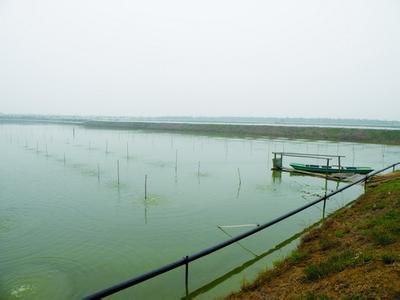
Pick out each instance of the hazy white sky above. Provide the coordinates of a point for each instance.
(222, 57)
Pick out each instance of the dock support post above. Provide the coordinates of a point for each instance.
(277, 162)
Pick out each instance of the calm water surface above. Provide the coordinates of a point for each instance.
(67, 228)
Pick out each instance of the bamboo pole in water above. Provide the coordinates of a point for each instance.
(145, 187)
(98, 172)
(176, 161)
(118, 171)
(198, 169)
(127, 150)
(240, 178)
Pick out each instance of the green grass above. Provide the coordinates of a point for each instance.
(389, 187)
(278, 263)
(327, 243)
(376, 206)
(384, 229)
(391, 220)
(341, 233)
(381, 238)
(356, 297)
(312, 296)
(389, 259)
(335, 264)
(297, 256)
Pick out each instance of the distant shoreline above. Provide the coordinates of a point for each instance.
(273, 121)
(309, 132)
(378, 136)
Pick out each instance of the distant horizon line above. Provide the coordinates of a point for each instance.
(195, 117)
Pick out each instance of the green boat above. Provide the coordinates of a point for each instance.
(330, 170)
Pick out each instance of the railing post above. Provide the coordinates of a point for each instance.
(326, 193)
(365, 182)
(327, 168)
(187, 275)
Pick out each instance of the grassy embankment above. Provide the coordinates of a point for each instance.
(376, 136)
(354, 254)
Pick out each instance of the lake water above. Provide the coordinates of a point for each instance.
(67, 230)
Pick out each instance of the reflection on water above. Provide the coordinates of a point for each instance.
(74, 217)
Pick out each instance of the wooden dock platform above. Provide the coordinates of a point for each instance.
(346, 177)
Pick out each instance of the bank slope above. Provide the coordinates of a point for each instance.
(355, 254)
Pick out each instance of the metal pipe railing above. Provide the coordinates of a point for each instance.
(187, 259)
